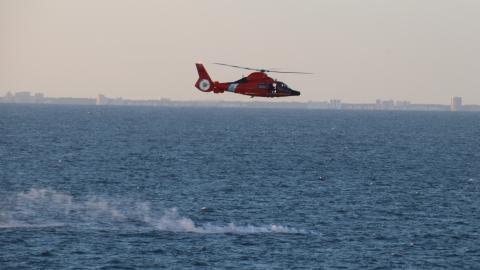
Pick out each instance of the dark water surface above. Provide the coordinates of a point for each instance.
(123, 187)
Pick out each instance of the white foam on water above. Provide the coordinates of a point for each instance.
(172, 221)
(40, 208)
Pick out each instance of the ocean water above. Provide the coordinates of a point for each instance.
(212, 188)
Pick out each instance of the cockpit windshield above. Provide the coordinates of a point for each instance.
(282, 85)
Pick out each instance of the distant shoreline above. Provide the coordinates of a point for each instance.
(334, 104)
(253, 105)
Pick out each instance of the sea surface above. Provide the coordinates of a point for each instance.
(84, 187)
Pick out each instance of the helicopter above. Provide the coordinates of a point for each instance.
(257, 84)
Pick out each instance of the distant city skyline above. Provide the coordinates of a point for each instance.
(422, 51)
(25, 97)
(226, 97)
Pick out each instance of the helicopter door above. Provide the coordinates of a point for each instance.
(261, 86)
(273, 88)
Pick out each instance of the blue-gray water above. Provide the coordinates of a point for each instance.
(123, 187)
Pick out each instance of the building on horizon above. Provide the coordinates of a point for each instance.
(9, 97)
(335, 104)
(456, 104)
(101, 100)
(402, 105)
(23, 97)
(384, 104)
(38, 98)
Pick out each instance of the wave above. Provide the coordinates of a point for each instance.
(39, 208)
(29, 226)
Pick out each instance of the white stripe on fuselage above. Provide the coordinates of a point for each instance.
(232, 87)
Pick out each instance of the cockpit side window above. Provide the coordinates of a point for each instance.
(281, 85)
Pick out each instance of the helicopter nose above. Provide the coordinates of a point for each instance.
(294, 93)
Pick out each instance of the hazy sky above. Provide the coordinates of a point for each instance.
(418, 50)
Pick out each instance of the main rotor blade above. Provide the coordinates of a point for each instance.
(291, 72)
(247, 68)
(262, 70)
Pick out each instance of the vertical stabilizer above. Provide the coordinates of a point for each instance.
(204, 82)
